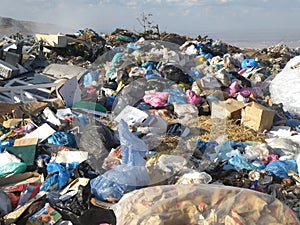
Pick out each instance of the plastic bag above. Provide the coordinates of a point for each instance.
(63, 139)
(280, 168)
(233, 88)
(97, 141)
(193, 98)
(79, 210)
(110, 73)
(257, 151)
(6, 157)
(158, 99)
(249, 63)
(5, 144)
(224, 148)
(176, 96)
(114, 183)
(59, 175)
(90, 78)
(12, 168)
(287, 82)
(194, 177)
(201, 204)
(241, 161)
(130, 95)
(128, 176)
(175, 74)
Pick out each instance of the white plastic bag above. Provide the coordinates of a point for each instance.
(285, 87)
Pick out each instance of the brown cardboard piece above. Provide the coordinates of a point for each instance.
(13, 122)
(230, 109)
(257, 117)
(26, 141)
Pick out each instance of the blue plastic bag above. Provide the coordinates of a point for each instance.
(6, 143)
(112, 67)
(240, 161)
(280, 168)
(176, 96)
(249, 63)
(201, 145)
(128, 176)
(59, 176)
(294, 123)
(226, 147)
(63, 139)
(115, 182)
(194, 74)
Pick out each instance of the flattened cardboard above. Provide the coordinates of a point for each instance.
(257, 117)
(12, 122)
(26, 141)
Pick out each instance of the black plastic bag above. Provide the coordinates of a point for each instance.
(79, 210)
(175, 74)
(97, 140)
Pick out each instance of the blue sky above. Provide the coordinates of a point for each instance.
(191, 17)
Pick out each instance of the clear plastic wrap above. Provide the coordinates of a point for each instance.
(201, 204)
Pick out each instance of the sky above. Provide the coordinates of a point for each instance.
(240, 19)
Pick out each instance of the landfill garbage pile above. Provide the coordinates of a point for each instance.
(130, 128)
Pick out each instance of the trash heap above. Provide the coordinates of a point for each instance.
(128, 128)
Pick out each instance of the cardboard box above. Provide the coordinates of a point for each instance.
(257, 117)
(229, 109)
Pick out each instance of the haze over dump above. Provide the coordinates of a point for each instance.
(10, 26)
(228, 20)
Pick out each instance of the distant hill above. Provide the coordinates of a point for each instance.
(10, 26)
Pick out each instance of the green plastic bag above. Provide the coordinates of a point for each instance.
(124, 38)
(12, 168)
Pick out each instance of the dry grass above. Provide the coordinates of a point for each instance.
(205, 129)
(233, 130)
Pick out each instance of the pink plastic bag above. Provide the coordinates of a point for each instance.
(270, 158)
(233, 88)
(193, 98)
(246, 92)
(157, 99)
